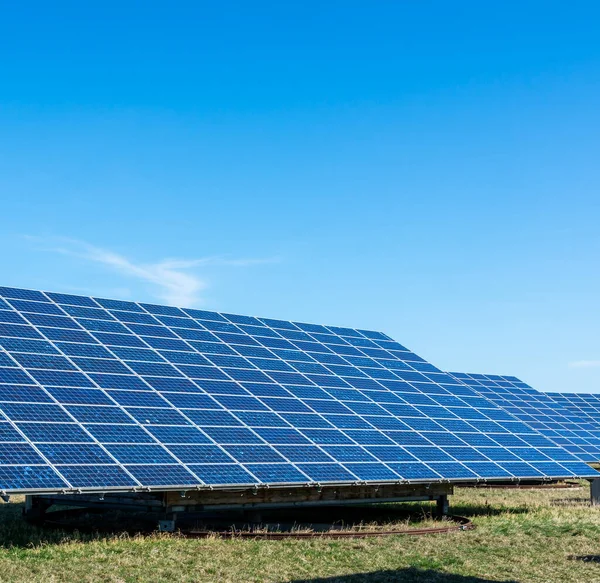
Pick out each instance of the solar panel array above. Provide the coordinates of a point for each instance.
(585, 406)
(564, 425)
(99, 394)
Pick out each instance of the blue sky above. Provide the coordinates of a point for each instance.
(429, 169)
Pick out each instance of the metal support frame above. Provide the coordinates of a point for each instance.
(442, 506)
(595, 492)
(168, 524)
(36, 507)
(251, 501)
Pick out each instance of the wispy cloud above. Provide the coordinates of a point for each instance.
(584, 364)
(174, 280)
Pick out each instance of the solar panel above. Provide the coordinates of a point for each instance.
(585, 406)
(99, 394)
(563, 419)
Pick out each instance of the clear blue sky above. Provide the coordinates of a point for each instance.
(429, 169)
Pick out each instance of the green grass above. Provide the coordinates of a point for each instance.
(524, 536)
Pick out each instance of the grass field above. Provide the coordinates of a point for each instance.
(525, 536)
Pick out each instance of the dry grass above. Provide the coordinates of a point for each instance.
(524, 536)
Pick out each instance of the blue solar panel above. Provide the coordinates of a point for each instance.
(277, 473)
(327, 472)
(19, 454)
(568, 420)
(140, 454)
(74, 453)
(306, 453)
(163, 474)
(253, 453)
(223, 474)
(118, 434)
(415, 471)
(200, 454)
(33, 478)
(98, 394)
(583, 406)
(95, 476)
(175, 434)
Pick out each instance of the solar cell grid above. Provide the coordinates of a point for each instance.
(238, 389)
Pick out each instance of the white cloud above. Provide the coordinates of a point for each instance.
(175, 284)
(584, 364)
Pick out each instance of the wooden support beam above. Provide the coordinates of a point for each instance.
(304, 495)
(248, 498)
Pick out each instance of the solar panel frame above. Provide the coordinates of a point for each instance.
(225, 420)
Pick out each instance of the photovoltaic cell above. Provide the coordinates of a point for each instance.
(100, 394)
